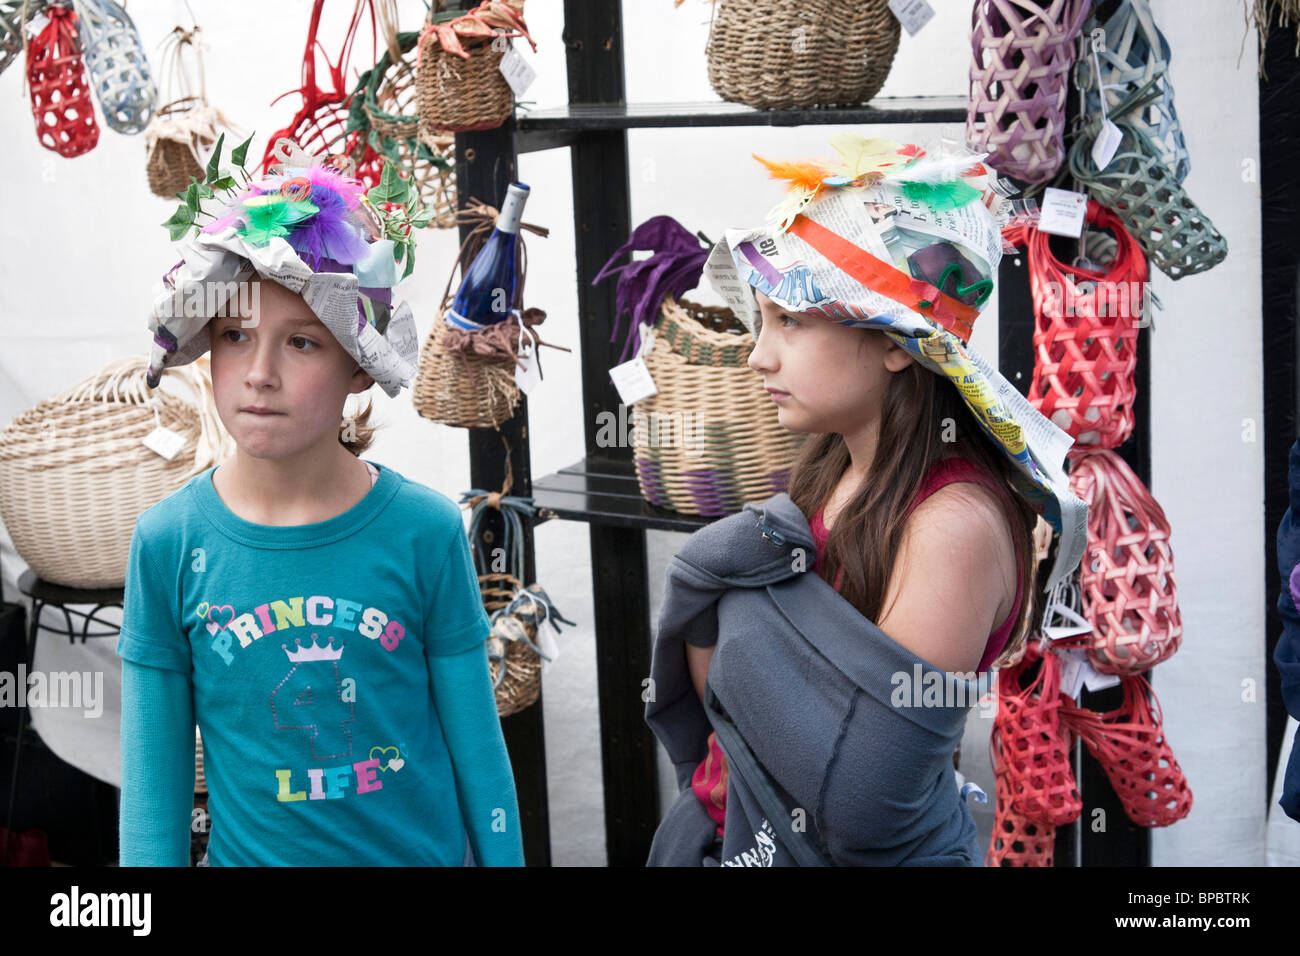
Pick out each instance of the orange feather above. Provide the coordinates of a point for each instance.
(805, 175)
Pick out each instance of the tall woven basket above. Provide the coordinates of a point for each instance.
(75, 476)
(709, 440)
(791, 54)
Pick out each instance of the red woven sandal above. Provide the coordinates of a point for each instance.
(1029, 745)
(1130, 745)
(1017, 841)
(1127, 573)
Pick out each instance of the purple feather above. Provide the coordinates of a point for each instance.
(675, 266)
(330, 234)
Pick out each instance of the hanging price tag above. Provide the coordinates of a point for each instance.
(547, 644)
(518, 72)
(912, 14)
(633, 381)
(37, 23)
(164, 441)
(1063, 212)
(530, 376)
(1105, 145)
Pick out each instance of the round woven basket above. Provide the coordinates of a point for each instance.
(709, 441)
(522, 683)
(790, 54)
(172, 139)
(75, 476)
(458, 94)
(465, 390)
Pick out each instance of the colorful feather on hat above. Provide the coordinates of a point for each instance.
(332, 233)
(271, 215)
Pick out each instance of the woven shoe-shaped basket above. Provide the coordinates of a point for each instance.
(1085, 332)
(1127, 573)
(1029, 745)
(796, 54)
(1017, 841)
(117, 63)
(75, 476)
(12, 33)
(1136, 52)
(59, 88)
(709, 441)
(1131, 747)
(1176, 236)
(1019, 73)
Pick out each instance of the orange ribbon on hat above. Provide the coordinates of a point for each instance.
(882, 277)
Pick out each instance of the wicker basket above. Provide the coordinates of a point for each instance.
(74, 475)
(118, 66)
(792, 54)
(521, 684)
(459, 94)
(712, 441)
(464, 390)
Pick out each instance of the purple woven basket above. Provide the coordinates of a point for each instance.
(1022, 53)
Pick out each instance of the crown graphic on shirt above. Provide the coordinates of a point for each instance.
(313, 653)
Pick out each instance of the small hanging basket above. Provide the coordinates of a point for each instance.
(1127, 574)
(516, 613)
(1019, 78)
(709, 440)
(798, 54)
(60, 91)
(1085, 333)
(1131, 747)
(12, 33)
(383, 120)
(75, 475)
(1135, 53)
(1028, 744)
(458, 73)
(117, 65)
(1173, 232)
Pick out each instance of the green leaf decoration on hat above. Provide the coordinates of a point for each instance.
(272, 215)
(941, 196)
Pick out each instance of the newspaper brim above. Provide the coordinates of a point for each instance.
(1035, 445)
(216, 269)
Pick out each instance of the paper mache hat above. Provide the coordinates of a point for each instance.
(895, 237)
(312, 228)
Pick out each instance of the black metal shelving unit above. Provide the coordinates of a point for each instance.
(601, 489)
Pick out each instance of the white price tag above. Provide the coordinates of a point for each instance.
(1105, 145)
(1072, 673)
(37, 23)
(164, 442)
(1095, 680)
(518, 72)
(1063, 212)
(530, 376)
(912, 14)
(633, 381)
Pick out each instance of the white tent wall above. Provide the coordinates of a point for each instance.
(84, 250)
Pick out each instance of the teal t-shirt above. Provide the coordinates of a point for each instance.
(308, 649)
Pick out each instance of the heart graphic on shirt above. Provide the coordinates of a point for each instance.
(214, 609)
(395, 757)
(203, 610)
(396, 764)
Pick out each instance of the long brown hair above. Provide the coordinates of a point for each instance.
(919, 410)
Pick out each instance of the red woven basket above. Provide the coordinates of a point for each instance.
(1017, 841)
(320, 125)
(1028, 743)
(60, 91)
(1127, 574)
(1131, 747)
(1085, 333)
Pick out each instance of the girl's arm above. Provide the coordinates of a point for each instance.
(485, 783)
(697, 662)
(157, 767)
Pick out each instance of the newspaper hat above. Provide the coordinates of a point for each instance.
(905, 240)
(310, 227)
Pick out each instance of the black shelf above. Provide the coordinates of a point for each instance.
(563, 126)
(605, 491)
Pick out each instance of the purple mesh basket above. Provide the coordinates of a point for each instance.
(1022, 54)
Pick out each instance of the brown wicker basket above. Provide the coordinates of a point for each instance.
(522, 683)
(793, 54)
(74, 476)
(459, 94)
(464, 390)
(712, 441)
